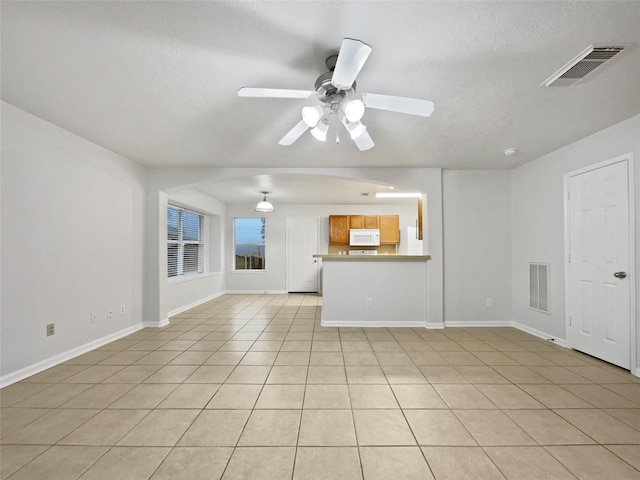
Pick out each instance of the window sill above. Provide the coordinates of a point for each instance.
(191, 278)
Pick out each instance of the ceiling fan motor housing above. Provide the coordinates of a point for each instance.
(326, 90)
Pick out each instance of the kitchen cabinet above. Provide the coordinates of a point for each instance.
(339, 226)
(371, 222)
(338, 229)
(356, 221)
(363, 221)
(389, 229)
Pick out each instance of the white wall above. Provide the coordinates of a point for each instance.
(386, 292)
(477, 247)
(72, 243)
(82, 231)
(537, 218)
(273, 278)
(186, 292)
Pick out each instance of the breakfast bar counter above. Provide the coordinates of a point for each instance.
(374, 290)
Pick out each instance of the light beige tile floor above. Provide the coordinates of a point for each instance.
(251, 386)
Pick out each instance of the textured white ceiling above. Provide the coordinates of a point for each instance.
(157, 81)
(301, 189)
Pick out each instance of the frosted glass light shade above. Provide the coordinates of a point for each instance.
(320, 132)
(353, 110)
(312, 115)
(264, 206)
(355, 129)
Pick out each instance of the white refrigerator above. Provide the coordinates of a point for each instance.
(410, 245)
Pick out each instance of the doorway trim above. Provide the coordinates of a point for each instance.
(633, 324)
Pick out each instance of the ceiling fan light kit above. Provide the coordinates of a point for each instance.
(320, 131)
(312, 115)
(336, 90)
(355, 129)
(353, 109)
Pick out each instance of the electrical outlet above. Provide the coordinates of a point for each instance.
(369, 302)
(123, 308)
(489, 302)
(93, 318)
(109, 312)
(51, 329)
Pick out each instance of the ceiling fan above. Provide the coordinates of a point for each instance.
(336, 91)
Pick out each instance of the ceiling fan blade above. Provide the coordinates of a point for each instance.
(412, 106)
(351, 58)
(274, 93)
(294, 134)
(364, 142)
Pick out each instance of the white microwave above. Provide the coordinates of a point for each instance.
(369, 237)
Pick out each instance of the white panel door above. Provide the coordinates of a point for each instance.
(302, 244)
(599, 256)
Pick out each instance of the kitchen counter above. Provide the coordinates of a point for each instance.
(374, 290)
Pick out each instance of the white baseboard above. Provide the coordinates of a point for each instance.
(194, 304)
(347, 323)
(506, 323)
(256, 292)
(434, 326)
(64, 356)
(496, 323)
(162, 323)
(537, 333)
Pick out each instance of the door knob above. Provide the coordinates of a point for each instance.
(620, 274)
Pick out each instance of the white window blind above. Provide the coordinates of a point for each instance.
(184, 242)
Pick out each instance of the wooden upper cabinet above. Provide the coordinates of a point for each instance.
(363, 221)
(371, 222)
(339, 229)
(356, 221)
(339, 226)
(389, 229)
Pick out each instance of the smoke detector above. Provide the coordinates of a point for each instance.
(582, 65)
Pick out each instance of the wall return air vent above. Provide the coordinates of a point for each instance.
(539, 287)
(581, 66)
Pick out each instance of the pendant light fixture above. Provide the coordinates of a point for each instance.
(265, 206)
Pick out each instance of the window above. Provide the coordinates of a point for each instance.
(184, 242)
(249, 243)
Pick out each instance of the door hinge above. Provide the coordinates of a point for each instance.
(570, 321)
(569, 258)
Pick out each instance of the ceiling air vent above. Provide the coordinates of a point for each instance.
(581, 66)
